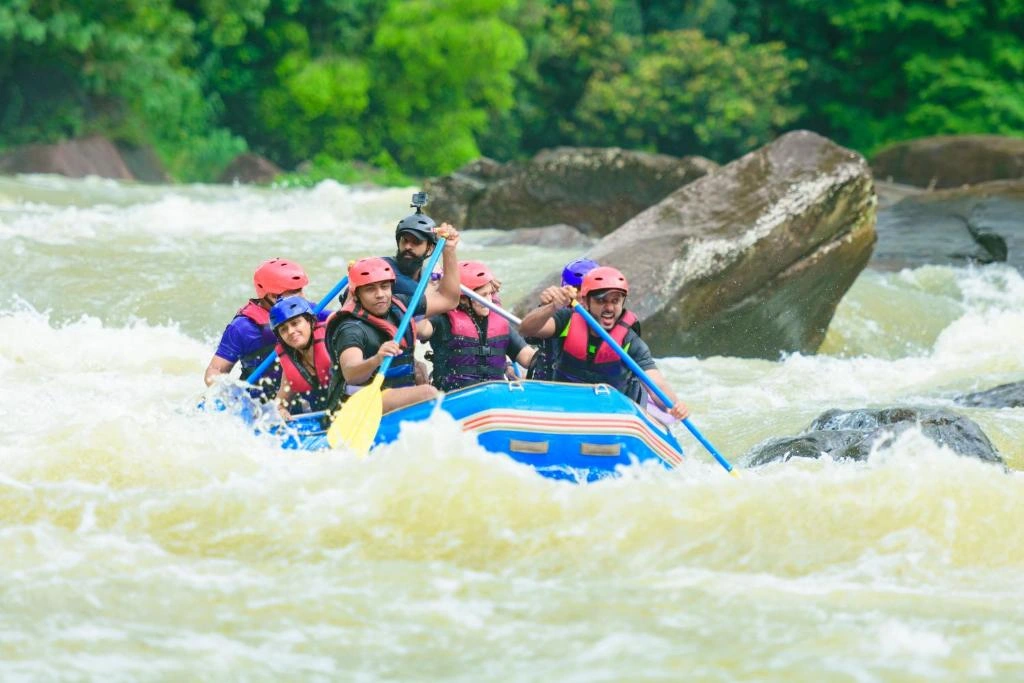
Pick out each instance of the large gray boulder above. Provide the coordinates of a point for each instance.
(91, 156)
(1003, 396)
(976, 224)
(951, 160)
(593, 189)
(752, 259)
(850, 435)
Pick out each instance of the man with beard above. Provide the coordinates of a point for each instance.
(416, 241)
(361, 335)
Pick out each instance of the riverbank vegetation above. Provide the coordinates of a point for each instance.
(393, 88)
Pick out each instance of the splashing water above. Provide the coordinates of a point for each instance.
(145, 541)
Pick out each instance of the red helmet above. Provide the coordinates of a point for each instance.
(604, 277)
(474, 274)
(366, 271)
(277, 276)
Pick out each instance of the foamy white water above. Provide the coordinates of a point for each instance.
(143, 541)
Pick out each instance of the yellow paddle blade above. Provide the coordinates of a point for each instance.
(355, 424)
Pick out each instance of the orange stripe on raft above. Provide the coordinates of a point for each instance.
(563, 423)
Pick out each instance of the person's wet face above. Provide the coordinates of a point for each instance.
(296, 332)
(412, 251)
(606, 305)
(488, 292)
(375, 297)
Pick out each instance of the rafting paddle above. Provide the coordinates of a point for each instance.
(355, 423)
(487, 303)
(666, 401)
(262, 367)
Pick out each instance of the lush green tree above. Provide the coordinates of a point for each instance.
(688, 94)
(568, 41)
(441, 69)
(884, 70)
(292, 74)
(82, 66)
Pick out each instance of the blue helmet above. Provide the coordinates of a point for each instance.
(288, 308)
(574, 271)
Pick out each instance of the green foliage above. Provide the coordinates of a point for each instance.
(440, 69)
(364, 88)
(687, 94)
(75, 67)
(383, 171)
(886, 70)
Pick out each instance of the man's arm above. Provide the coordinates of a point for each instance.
(679, 409)
(538, 323)
(446, 296)
(356, 369)
(218, 366)
(424, 329)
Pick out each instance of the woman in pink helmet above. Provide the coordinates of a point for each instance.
(248, 339)
(471, 344)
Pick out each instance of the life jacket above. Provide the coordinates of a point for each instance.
(299, 378)
(468, 359)
(581, 362)
(251, 360)
(545, 359)
(401, 373)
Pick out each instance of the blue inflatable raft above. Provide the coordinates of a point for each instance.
(565, 431)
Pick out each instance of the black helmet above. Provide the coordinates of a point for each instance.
(420, 225)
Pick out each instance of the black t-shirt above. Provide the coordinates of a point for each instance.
(354, 332)
(635, 347)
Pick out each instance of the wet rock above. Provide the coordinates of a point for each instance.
(91, 156)
(552, 236)
(951, 160)
(981, 223)
(592, 189)
(250, 168)
(850, 435)
(752, 259)
(1003, 396)
(143, 163)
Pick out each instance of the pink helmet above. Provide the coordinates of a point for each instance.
(366, 271)
(604, 277)
(474, 274)
(277, 276)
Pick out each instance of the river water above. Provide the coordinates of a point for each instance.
(141, 541)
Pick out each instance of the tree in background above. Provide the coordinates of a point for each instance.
(75, 67)
(886, 70)
(687, 94)
(440, 67)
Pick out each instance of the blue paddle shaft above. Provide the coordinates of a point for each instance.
(415, 300)
(262, 367)
(646, 379)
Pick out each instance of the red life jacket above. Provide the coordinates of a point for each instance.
(254, 312)
(355, 310)
(296, 373)
(401, 372)
(578, 337)
(575, 363)
(260, 317)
